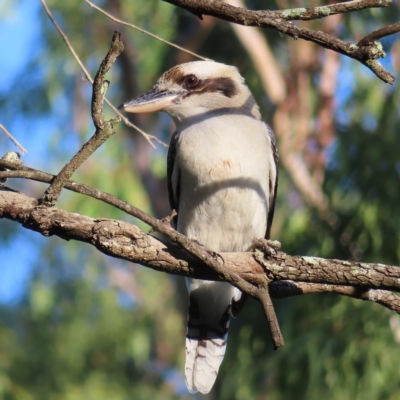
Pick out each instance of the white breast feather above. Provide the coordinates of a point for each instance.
(225, 164)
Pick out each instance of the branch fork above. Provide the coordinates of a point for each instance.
(286, 275)
(283, 275)
(367, 51)
(267, 249)
(104, 129)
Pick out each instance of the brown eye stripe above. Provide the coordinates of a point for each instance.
(226, 86)
(175, 74)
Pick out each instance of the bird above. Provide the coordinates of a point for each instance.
(222, 177)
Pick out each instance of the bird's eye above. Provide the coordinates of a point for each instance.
(191, 81)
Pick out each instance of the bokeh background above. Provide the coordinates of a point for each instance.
(76, 324)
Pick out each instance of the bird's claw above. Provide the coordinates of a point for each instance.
(268, 247)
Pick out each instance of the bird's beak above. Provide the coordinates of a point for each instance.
(149, 102)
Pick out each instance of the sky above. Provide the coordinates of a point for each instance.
(19, 34)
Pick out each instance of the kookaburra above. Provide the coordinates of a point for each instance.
(222, 180)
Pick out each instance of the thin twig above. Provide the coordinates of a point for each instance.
(104, 129)
(23, 151)
(379, 34)
(283, 289)
(269, 311)
(311, 13)
(145, 32)
(264, 61)
(40, 176)
(148, 137)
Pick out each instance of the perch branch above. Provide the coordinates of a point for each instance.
(312, 269)
(12, 157)
(289, 275)
(210, 259)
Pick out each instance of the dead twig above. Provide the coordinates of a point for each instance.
(148, 137)
(119, 21)
(11, 137)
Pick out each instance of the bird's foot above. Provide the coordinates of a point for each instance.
(268, 247)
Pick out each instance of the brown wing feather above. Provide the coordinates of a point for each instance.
(273, 185)
(173, 194)
(237, 306)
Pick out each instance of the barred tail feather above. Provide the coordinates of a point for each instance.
(205, 343)
(203, 359)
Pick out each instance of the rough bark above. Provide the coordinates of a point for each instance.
(126, 241)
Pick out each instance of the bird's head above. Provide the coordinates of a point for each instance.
(195, 88)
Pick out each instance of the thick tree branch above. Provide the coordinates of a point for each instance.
(366, 53)
(217, 9)
(290, 275)
(210, 259)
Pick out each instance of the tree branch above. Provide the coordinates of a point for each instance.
(282, 289)
(379, 34)
(367, 53)
(210, 259)
(289, 275)
(104, 129)
(311, 13)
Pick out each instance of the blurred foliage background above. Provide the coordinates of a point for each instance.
(76, 324)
